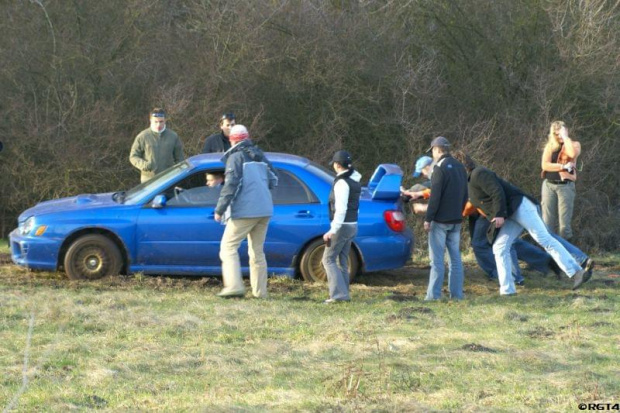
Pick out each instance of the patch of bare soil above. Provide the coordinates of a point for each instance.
(478, 348)
(5, 258)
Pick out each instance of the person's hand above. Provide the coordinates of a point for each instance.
(419, 208)
(217, 217)
(427, 226)
(327, 236)
(564, 133)
(499, 221)
(568, 166)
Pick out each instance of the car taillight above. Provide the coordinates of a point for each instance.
(395, 220)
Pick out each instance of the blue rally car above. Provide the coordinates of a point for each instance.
(166, 225)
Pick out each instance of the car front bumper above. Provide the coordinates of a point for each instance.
(37, 253)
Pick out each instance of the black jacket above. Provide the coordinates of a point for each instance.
(448, 192)
(494, 196)
(216, 143)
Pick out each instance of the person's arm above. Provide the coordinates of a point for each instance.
(546, 163)
(136, 155)
(178, 151)
(341, 199)
(271, 173)
(436, 193)
(569, 147)
(469, 209)
(426, 194)
(207, 146)
(490, 185)
(234, 174)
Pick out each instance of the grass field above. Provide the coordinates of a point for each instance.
(168, 344)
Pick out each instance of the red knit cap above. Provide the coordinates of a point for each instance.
(238, 133)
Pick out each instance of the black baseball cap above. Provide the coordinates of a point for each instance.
(229, 116)
(343, 158)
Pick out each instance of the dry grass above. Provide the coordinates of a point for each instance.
(168, 344)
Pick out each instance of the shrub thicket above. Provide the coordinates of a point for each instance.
(380, 78)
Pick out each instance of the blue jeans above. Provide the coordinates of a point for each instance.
(526, 216)
(336, 262)
(538, 259)
(483, 251)
(440, 238)
(577, 254)
(535, 258)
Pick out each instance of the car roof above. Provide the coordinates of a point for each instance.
(277, 157)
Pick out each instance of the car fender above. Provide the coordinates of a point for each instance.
(107, 232)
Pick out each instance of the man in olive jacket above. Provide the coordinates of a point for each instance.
(156, 148)
(245, 204)
(510, 211)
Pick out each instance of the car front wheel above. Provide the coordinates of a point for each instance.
(92, 257)
(311, 267)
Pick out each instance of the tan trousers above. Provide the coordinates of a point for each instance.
(255, 229)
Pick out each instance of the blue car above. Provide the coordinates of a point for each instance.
(166, 226)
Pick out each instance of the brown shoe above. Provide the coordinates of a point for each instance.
(580, 277)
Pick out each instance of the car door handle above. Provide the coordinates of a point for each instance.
(304, 214)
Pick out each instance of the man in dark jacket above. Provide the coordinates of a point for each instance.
(443, 220)
(219, 142)
(245, 200)
(510, 211)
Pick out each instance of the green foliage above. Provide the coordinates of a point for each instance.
(380, 79)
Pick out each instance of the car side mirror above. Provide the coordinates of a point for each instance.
(159, 202)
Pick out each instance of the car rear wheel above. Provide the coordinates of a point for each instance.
(92, 257)
(311, 267)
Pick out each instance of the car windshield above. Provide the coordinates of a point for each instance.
(146, 187)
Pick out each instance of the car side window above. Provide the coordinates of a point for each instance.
(291, 190)
(192, 192)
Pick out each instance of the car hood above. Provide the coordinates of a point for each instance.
(80, 202)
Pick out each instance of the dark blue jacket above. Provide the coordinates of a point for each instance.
(448, 192)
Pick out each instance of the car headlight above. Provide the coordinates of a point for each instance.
(27, 226)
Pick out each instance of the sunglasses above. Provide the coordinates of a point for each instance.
(229, 116)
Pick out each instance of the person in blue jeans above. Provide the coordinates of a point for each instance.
(535, 258)
(443, 220)
(510, 211)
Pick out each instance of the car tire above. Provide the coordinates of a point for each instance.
(311, 267)
(92, 257)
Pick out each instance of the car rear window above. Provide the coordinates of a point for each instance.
(291, 190)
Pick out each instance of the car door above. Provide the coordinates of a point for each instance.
(182, 237)
(298, 217)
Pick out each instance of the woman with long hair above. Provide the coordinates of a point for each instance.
(559, 161)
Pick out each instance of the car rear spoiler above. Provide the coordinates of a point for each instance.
(385, 182)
